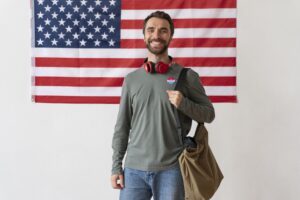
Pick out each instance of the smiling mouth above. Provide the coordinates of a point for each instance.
(156, 43)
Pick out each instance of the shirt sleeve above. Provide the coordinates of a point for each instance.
(196, 104)
(122, 130)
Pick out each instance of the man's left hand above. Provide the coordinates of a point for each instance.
(175, 97)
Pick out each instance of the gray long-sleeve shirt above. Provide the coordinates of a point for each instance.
(146, 127)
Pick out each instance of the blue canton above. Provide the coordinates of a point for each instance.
(77, 23)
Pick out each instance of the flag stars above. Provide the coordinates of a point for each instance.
(104, 36)
(76, 22)
(111, 29)
(90, 36)
(69, 2)
(111, 43)
(68, 15)
(90, 9)
(54, 28)
(40, 28)
(112, 2)
(76, 9)
(82, 29)
(104, 22)
(54, 15)
(47, 35)
(98, 2)
(97, 16)
(97, 43)
(47, 8)
(76, 36)
(61, 35)
(68, 42)
(40, 41)
(69, 29)
(62, 8)
(40, 15)
(83, 2)
(61, 22)
(82, 42)
(97, 29)
(112, 16)
(40, 2)
(90, 22)
(68, 23)
(82, 15)
(54, 42)
(105, 9)
(54, 2)
(47, 22)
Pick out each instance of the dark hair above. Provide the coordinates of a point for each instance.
(161, 15)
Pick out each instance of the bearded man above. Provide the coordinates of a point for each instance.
(147, 130)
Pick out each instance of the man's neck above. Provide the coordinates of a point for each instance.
(159, 58)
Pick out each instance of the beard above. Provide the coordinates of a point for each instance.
(160, 51)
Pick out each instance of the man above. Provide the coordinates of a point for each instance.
(147, 129)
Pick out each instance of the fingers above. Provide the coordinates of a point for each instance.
(175, 97)
(121, 179)
(117, 181)
(173, 92)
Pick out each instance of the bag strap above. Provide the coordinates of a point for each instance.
(186, 142)
(181, 77)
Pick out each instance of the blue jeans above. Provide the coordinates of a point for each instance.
(162, 185)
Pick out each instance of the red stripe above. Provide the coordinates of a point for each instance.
(76, 99)
(117, 82)
(218, 81)
(223, 99)
(78, 82)
(185, 23)
(89, 62)
(223, 62)
(182, 42)
(128, 63)
(176, 4)
(111, 100)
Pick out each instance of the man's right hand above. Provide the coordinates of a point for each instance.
(117, 181)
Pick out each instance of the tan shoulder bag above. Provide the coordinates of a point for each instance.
(200, 171)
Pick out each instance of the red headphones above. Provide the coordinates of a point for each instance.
(159, 67)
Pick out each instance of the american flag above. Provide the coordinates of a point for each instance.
(82, 49)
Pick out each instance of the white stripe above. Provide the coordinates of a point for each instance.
(220, 90)
(77, 91)
(182, 13)
(130, 53)
(186, 33)
(120, 72)
(82, 72)
(215, 71)
(116, 91)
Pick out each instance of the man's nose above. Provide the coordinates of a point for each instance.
(156, 34)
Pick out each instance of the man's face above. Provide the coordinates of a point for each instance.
(157, 35)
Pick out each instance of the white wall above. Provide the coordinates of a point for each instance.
(63, 152)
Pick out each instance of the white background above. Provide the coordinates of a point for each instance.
(63, 151)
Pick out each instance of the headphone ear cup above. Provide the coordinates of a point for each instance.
(147, 66)
(162, 67)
